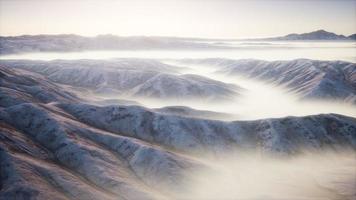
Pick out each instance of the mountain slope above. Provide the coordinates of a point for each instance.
(215, 136)
(314, 35)
(129, 77)
(312, 79)
(22, 86)
(189, 112)
(62, 148)
(67, 159)
(352, 37)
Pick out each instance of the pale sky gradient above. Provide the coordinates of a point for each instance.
(184, 18)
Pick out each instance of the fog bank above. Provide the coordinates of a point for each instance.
(251, 176)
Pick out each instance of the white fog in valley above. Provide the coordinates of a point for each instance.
(264, 50)
(178, 100)
(257, 99)
(261, 99)
(316, 176)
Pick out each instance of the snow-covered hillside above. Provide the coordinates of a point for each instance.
(130, 77)
(19, 86)
(313, 79)
(54, 145)
(189, 112)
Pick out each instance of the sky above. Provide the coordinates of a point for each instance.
(182, 18)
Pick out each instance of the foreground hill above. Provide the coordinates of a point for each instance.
(20, 86)
(61, 148)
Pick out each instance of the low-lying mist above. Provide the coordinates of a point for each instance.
(255, 106)
(257, 100)
(326, 174)
(266, 50)
(323, 175)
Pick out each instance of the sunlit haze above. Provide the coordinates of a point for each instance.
(178, 99)
(196, 18)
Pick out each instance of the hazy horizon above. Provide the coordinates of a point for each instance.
(164, 36)
(225, 19)
(196, 99)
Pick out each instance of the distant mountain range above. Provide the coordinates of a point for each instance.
(315, 35)
(71, 42)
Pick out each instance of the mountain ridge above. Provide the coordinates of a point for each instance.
(61, 147)
(73, 42)
(314, 35)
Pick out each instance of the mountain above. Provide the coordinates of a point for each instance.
(70, 42)
(185, 87)
(315, 35)
(189, 112)
(161, 125)
(352, 37)
(129, 77)
(312, 79)
(20, 86)
(46, 148)
(53, 145)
